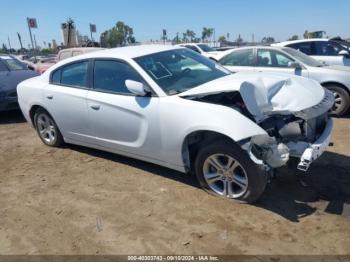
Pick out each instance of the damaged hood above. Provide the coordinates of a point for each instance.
(265, 94)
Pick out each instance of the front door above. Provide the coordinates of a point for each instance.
(120, 120)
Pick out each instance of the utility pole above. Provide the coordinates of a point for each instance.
(36, 46)
(20, 40)
(8, 38)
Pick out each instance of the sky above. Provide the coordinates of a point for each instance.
(277, 18)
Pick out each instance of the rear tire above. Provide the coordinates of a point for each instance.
(47, 129)
(226, 170)
(342, 100)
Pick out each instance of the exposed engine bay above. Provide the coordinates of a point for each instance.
(288, 134)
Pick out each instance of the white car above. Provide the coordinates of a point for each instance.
(204, 50)
(173, 107)
(286, 60)
(325, 50)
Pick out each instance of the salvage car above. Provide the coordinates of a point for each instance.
(12, 72)
(173, 107)
(290, 61)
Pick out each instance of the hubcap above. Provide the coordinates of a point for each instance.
(225, 175)
(338, 102)
(46, 128)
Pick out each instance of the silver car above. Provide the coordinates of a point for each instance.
(290, 61)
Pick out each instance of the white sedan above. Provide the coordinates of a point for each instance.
(175, 108)
(204, 50)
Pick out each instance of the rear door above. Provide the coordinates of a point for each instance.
(120, 120)
(242, 60)
(65, 99)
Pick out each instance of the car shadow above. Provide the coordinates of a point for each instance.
(11, 117)
(139, 164)
(291, 194)
(295, 194)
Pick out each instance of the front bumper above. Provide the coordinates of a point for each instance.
(315, 150)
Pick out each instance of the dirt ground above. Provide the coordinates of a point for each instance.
(74, 200)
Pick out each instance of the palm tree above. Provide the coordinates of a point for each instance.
(207, 33)
(191, 34)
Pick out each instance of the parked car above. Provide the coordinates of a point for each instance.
(45, 63)
(173, 107)
(12, 71)
(326, 51)
(204, 50)
(290, 61)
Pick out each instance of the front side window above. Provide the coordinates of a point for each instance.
(111, 75)
(239, 58)
(75, 74)
(178, 70)
(272, 58)
(328, 48)
(305, 47)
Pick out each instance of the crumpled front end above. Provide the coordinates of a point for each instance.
(303, 134)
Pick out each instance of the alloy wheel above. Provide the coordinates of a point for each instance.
(46, 128)
(225, 175)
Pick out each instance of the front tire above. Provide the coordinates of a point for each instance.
(225, 170)
(47, 128)
(342, 100)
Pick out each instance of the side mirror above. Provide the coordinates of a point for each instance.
(344, 53)
(295, 65)
(136, 88)
(30, 67)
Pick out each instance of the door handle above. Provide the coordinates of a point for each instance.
(49, 97)
(95, 107)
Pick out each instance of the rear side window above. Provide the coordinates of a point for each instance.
(110, 76)
(56, 77)
(74, 75)
(239, 58)
(305, 47)
(64, 55)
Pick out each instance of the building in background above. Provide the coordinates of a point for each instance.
(69, 34)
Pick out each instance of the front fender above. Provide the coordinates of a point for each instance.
(181, 117)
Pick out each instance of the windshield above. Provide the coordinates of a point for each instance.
(179, 70)
(13, 64)
(302, 57)
(206, 48)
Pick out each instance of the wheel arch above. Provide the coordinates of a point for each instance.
(193, 141)
(330, 83)
(32, 111)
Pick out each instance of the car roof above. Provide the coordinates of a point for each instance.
(127, 52)
(300, 41)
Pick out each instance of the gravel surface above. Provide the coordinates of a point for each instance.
(75, 200)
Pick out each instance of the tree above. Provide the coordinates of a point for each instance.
(191, 34)
(120, 35)
(46, 51)
(306, 34)
(294, 37)
(268, 40)
(207, 33)
(221, 39)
